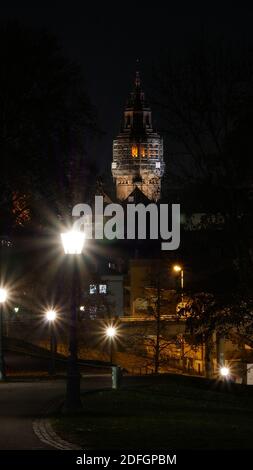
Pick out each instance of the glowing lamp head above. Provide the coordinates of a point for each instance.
(73, 242)
(224, 371)
(177, 268)
(51, 315)
(111, 331)
(3, 295)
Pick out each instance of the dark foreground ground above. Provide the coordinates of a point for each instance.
(21, 402)
(164, 413)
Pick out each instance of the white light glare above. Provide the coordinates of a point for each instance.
(51, 315)
(224, 371)
(3, 295)
(111, 331)
(73, 242)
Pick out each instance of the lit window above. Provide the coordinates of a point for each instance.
(111, 265)
(134, 151)
(157, 165)
(102, 288)
(143, 153)
(93, 289)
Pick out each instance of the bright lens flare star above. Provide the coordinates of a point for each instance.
(111, 331)
(3, 295)
(224, 371)
(73, 242)
(51, 315)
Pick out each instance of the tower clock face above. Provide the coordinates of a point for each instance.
(137, 150)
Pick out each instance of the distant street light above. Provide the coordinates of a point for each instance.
(111, 333)
(178, 269)
(3, 299)
(51, 316)
(73, 243)
(224, 372)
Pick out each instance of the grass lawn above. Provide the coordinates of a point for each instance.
(169, 413)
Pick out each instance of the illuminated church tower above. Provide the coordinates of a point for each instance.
(138, 150)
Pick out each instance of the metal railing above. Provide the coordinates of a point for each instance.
(141, 318)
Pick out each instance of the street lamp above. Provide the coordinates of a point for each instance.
(73, 242)
(51, 316)
(178, 269)
(224, 372)
(3, 298)
(111, 333)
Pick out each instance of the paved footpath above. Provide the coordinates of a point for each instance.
(21, 403)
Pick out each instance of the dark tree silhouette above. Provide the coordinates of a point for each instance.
(44, 122)
(206, 104)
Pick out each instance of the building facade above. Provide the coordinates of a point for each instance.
(138, 150)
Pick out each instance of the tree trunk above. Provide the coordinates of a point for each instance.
(208, 360)
(158, 328)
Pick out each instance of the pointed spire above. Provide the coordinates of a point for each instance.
(137, 75)
(137, 80)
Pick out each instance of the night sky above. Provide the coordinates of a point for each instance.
(108, 40)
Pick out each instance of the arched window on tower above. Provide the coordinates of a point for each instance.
(143, 153)
(134, 151)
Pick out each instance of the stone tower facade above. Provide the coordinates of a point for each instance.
(137, 150)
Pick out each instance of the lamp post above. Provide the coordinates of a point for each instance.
(73, 242)
(111, 332)
(178, 269)
(51, 316)
(3, 298)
